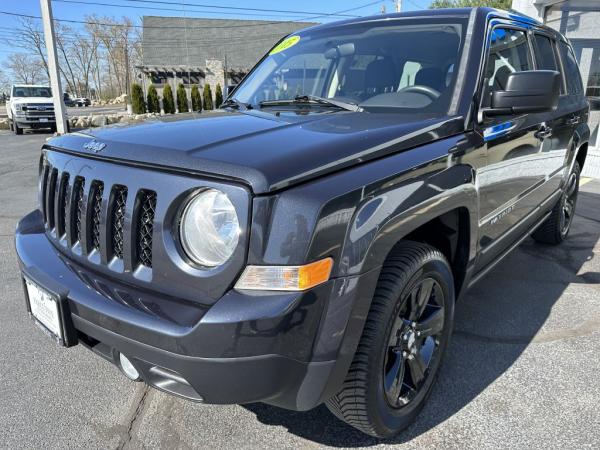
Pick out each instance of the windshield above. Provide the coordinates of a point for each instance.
(403, 66)
(31, 91)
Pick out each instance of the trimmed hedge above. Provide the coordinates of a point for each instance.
(168, 103)
(196, 99)
(138, 105)
(153, 102)
(182, 101)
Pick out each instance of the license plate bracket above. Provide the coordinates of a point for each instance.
(50, 312)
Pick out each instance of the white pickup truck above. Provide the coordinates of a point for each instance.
(30, 106)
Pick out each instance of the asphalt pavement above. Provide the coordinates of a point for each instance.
(523, 368)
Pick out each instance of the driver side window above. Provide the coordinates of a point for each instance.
(509, 52)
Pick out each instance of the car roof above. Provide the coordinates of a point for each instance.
(482, 14)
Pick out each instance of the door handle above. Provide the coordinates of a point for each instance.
(573, 120)
(543, 132)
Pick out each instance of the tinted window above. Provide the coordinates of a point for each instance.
(509, 53)
(545, 53)
(573, 78)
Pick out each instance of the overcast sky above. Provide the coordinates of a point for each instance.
(65, 9)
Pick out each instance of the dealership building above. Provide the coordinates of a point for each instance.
(205, 51)
(579, 21)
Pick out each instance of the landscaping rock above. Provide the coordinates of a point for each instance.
(98, 121)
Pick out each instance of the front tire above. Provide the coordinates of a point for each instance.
(556, 227)
(17, 129)
(404, 339)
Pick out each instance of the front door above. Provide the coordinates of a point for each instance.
(509, 184)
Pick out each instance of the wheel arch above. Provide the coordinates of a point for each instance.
(446, 221)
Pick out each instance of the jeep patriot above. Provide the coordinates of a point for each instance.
(309, 245)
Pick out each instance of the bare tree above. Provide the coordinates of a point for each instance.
(26, 69)
(84, 57)
(30, 37)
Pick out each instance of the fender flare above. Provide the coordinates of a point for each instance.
(369, 240)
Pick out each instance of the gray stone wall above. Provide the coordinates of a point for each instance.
(215, 74)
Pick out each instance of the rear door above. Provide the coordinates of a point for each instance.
(560, 123)
(573, 105)
(509, 184)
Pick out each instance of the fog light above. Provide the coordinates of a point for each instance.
(128, 369)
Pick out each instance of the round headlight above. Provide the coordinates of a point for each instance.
(209, 228)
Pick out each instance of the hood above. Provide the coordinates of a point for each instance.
(32, 100)
(262, 150)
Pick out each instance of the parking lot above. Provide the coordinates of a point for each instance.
(523, 369)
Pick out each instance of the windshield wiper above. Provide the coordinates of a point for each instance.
(312, 99)
(236, 104)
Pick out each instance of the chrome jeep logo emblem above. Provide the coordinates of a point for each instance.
(94, 146)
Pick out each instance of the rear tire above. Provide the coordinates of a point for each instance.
(556, 227)
(404, 339)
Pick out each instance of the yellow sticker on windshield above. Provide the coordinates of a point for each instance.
(285, 44)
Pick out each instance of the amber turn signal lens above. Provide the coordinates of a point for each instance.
(285, 278)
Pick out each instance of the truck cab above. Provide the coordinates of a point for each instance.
(30, 107)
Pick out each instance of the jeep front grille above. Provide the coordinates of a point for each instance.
(78, 208)
(98, 190)
(145, 213)
(117, 219)
(73, 209)
(63, 203)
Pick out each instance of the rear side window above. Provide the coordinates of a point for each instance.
(546, 56)
(571, 70)
(545, 53)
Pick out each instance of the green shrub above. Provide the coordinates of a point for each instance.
(182, 101)
(168, 103)
(196, 99)
(218, 96)
(138, 105)
(207, 97)
(152, 98)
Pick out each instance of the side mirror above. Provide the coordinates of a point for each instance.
(531, 91)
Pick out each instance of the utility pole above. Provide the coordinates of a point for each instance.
(398, 5)
(127, 81)
(55, 83)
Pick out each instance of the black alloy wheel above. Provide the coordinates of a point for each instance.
(414, 343)
(403, 342)
(556, 227)
(569, 200)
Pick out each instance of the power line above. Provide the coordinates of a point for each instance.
(145, 8)
(29, 16)
(233, 8)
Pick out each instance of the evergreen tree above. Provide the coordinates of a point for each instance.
(153, 103)
(207, 98)
(138, 105)
(196, 99)
(182, 100)
(168, 103)
(218, 96)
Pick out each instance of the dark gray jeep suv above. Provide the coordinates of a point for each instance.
(308, 245)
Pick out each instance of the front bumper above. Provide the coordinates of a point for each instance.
(287, 349)
(26, 121)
